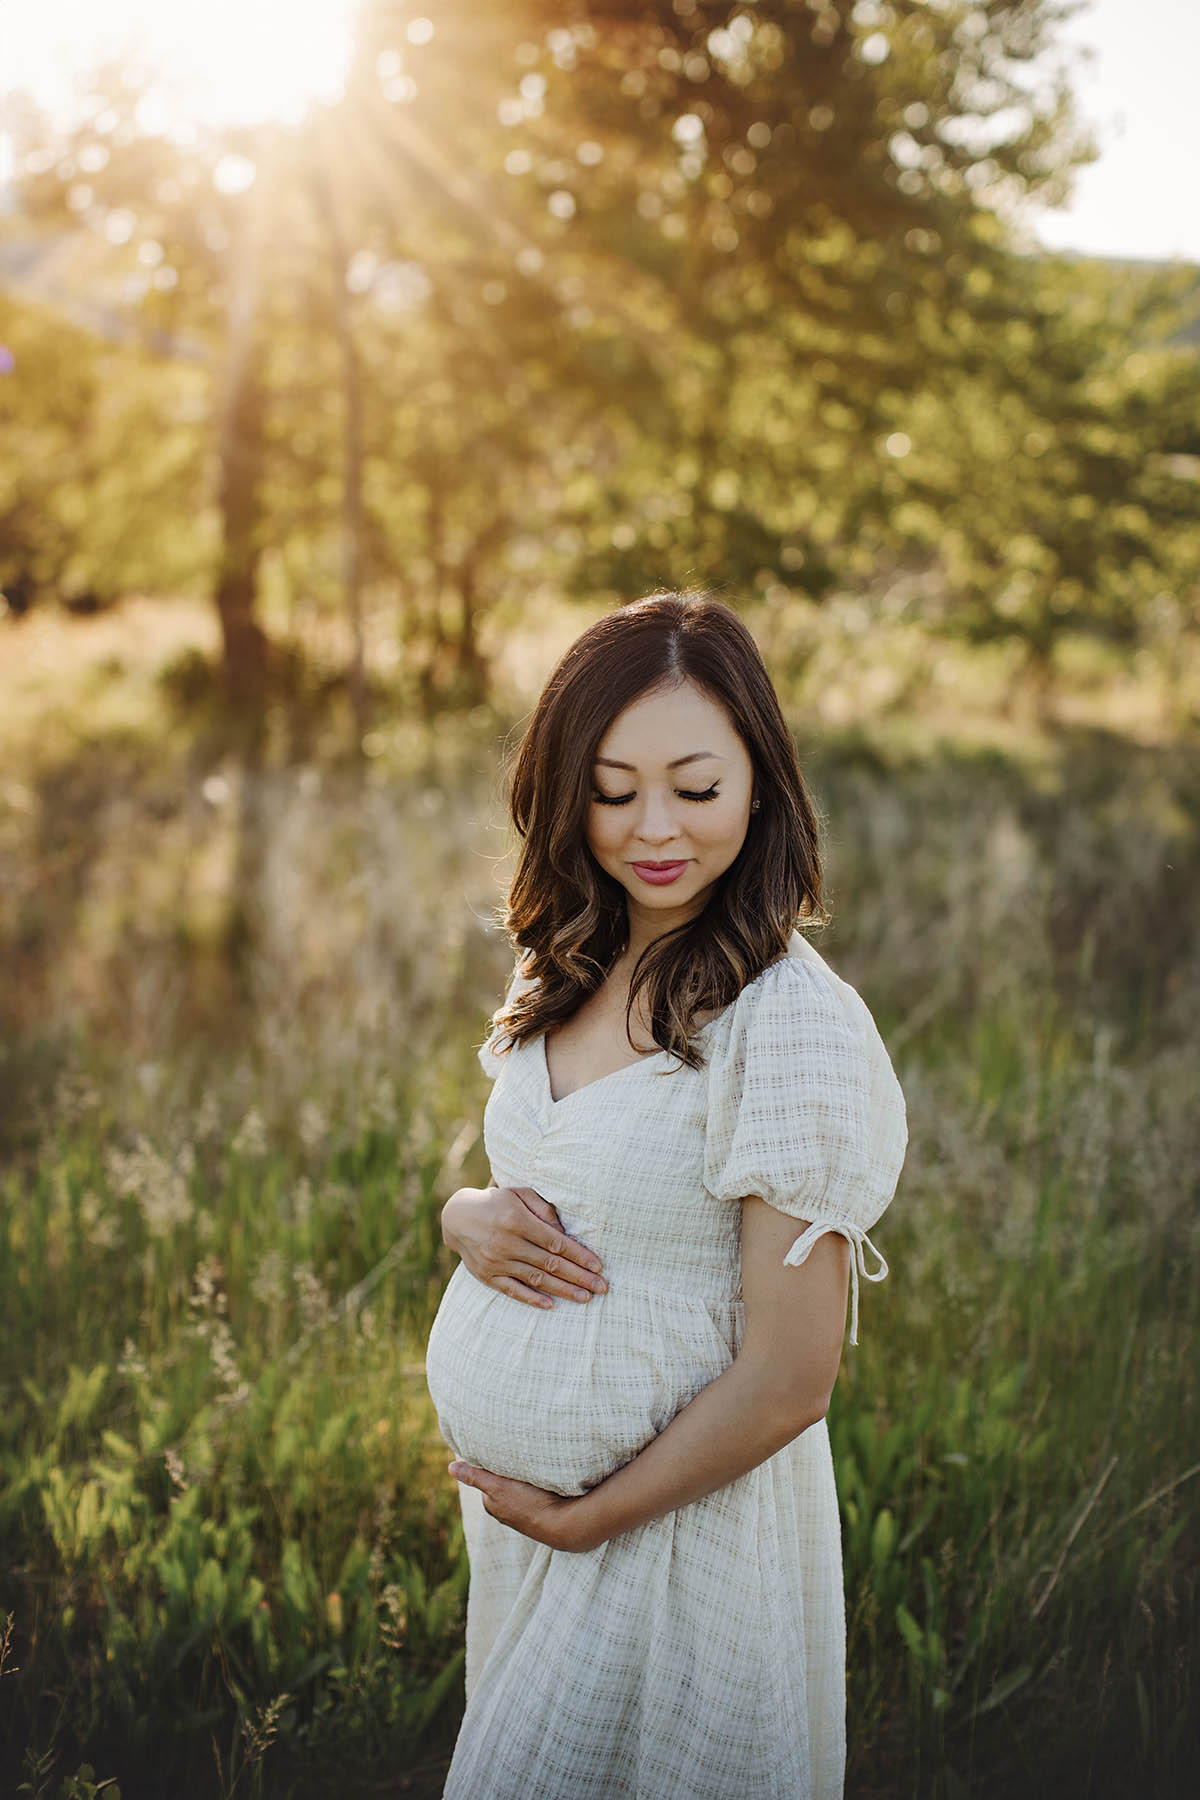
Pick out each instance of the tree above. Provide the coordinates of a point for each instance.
(608, 294)
(103, 452)
(1045, 475)
(174, 213)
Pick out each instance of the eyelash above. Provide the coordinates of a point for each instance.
(624, 799)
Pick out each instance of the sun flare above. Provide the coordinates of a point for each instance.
(220, 61)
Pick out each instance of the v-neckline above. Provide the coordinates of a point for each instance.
(653, 1055)
(596, 1081)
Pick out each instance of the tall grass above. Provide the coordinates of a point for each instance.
(220, 1490)
(228, 1544)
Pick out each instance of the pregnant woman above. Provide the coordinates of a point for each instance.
(692, 1127)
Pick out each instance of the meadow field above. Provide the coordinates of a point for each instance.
(242, 994)
(326, 422)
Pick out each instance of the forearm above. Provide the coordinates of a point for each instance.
(778, 1385)
(731, 1426)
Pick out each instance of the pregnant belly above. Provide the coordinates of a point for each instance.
(563, 1396)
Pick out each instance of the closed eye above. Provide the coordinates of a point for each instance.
(684, 794)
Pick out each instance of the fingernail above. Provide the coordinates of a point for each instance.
(594, 1266)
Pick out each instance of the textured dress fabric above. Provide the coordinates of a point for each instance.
(700, 1655)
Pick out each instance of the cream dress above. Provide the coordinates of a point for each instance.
(700, 1656)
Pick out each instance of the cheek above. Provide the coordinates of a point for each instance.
(602, 830)
(724, 825)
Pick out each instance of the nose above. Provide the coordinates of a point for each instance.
(659, 824)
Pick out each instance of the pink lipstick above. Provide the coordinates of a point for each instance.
(659, 874)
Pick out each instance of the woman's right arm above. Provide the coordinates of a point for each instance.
(511, 1239)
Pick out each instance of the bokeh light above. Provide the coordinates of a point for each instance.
(229, 61)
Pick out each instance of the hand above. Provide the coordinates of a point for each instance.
(535, 1512)
(511, 1239)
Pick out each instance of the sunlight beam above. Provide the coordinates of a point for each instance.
(222, 62)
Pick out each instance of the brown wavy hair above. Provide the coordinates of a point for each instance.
(566, 917)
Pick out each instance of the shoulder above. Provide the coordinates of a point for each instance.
(497, 1043)
(800, 1031)
(799, 993)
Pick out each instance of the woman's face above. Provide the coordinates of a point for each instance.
(671, 793)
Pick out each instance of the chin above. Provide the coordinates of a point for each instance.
(669, 899)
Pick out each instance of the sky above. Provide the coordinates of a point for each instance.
(248, 57)
(240, 59)
(1140, 97)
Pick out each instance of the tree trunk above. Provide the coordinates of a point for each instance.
(243, 642)
(240, 458)
(352, 517)
(352, 452)
(471, 670)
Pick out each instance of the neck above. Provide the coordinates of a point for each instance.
(645, 927)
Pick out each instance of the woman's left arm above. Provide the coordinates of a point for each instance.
(779, 1384)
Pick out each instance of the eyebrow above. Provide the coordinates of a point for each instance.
(607, 762)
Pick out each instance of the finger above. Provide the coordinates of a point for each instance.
(545, 1210)
(468, 1473)
(517, 1290)
(497, 1490)
(560, 1279)
(561, 1256)
(475, 1478)
(555, 1240)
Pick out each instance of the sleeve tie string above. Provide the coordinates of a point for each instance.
(857, 1239)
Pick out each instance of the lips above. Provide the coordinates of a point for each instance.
(658, 874)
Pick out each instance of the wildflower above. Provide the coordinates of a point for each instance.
(103, 1230)
(149, 1076)
(222, 1350)
(74, 1097)
(341, 1196)
(312, 1125)
(207, 1121)
(267, 1282)
(314, 1301)
(208, 1292)
(261, 1731)
(393, 1623)
(159, 1187)
(250, 1139)
(302, 1200)
(381, 1104)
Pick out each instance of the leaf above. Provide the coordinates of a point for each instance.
(1006, 1686)
(883, 1539)
(912, 1634)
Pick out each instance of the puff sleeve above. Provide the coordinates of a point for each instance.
(806, 1112)
(489, 1061)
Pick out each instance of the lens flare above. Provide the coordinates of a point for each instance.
(224, 62)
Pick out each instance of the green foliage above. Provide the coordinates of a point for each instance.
(678, 293)
(224, 1515)
(80, 1786)
(102, 463)
(789, 347)
(232, 1539)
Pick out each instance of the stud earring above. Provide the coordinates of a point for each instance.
(754, 805)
